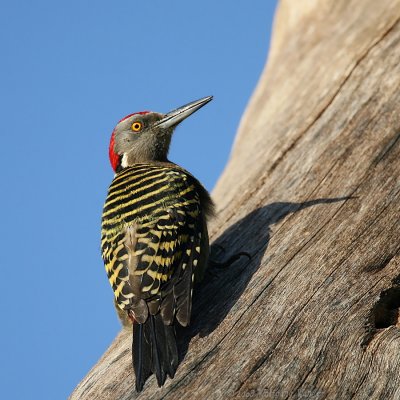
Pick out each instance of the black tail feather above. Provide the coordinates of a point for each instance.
(137, 355)
(154, 350)
(140, 356)
(172, 351)
(156, 343)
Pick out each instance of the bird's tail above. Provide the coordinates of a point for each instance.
(154, 350)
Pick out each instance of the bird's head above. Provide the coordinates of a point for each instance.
(145, 136)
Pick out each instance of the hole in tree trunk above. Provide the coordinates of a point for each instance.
(386, 311)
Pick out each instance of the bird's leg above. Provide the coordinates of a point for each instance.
(131, 317)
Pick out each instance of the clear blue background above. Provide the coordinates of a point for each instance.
(69, 71)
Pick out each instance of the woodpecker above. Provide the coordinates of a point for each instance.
(154, 238)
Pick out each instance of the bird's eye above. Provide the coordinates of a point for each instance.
(137, 126)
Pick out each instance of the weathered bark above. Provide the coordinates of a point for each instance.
(312, 192)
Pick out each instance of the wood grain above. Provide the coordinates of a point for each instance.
(312, 192)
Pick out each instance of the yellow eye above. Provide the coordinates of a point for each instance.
(137, 126)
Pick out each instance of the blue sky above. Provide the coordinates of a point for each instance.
(69, 72)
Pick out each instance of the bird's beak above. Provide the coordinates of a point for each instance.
(174, 117)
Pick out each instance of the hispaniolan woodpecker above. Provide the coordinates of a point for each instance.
(154, 237)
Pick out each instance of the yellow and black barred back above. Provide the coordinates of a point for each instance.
(154, 240)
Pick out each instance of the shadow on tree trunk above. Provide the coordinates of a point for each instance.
(222, 287)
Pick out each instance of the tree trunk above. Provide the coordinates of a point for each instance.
(312, 192)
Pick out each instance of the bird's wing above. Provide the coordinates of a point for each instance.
(168, 254)
(151, 261)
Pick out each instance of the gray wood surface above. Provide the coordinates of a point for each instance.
(312, 192)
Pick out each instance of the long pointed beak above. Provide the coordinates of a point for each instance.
(174, 117)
